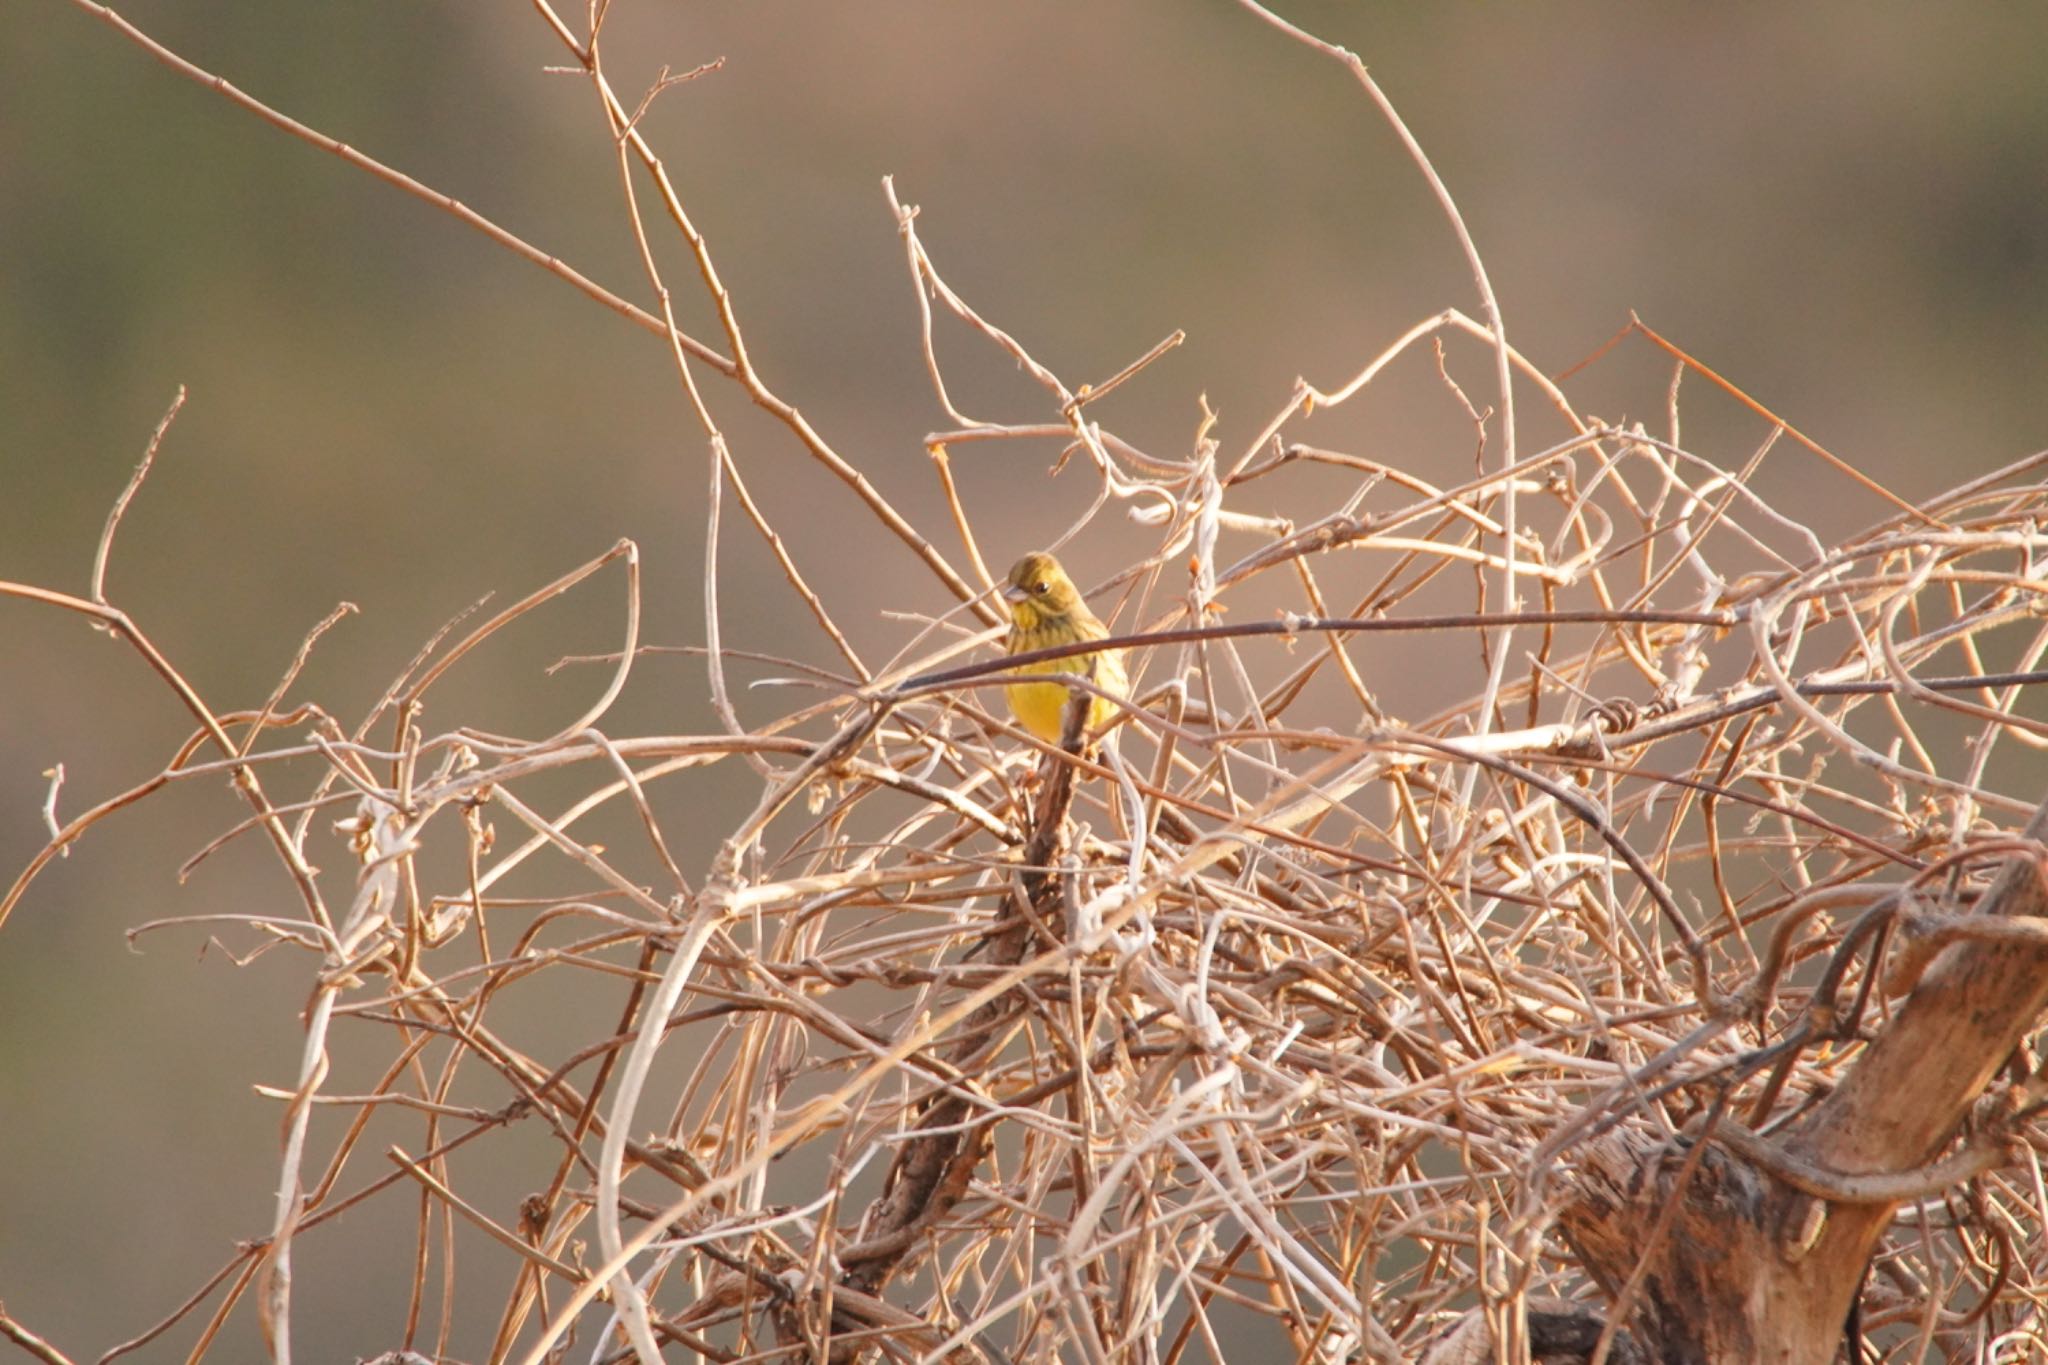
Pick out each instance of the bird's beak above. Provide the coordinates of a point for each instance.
(1014, 593)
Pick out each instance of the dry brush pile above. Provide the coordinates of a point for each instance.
(1276, 1028)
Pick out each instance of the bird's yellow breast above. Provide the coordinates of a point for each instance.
(1041, 708)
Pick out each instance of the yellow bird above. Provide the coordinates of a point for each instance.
(1046, 610)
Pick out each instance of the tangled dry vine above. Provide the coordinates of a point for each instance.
(1280, 1028)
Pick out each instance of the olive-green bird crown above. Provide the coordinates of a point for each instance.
(1039, 576)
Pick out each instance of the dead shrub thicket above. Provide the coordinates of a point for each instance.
(1280, 1029)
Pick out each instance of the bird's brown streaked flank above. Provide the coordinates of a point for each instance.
(1046, 610)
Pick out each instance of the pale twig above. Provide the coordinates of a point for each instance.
(245, 777)
(780, 549)
(291, 675)
(409, 700)
(1503, 368)
(568, 1273)
(106, 545)
(56, 775)
(714, 650)
(461, 212)
(924, 273)
(942, 461)
(28, 1341)
(714, 654)
(1095, 393)
(742, 368)
(1835, 462)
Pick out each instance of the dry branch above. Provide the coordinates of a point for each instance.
(1551, 1025)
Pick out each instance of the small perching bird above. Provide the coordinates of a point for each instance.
(1046, 610)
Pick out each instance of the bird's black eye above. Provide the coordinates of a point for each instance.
(1042, 587)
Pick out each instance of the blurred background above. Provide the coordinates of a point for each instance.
(1840, 207)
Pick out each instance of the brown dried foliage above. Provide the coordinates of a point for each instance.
(1279, 1028)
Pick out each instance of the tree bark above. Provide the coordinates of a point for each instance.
(1762, 1256)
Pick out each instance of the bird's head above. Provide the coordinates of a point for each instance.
(1038, 589)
